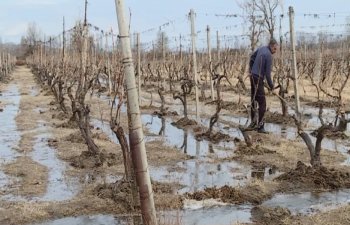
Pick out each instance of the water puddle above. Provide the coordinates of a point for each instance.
(184, 140)
(218, 215)
(196, 175)
(86, 220)
(58, 189)
(291, 133)
(310, 115)
(306, 203)
(9, 135)
(200, 172)
(99, 178)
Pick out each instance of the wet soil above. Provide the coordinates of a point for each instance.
(214, 137)
(96, 194)
(120, 192)
(270, 216)
(253, 193)
(184, 122)
(91, 160)
(278, 118)
(307, 177)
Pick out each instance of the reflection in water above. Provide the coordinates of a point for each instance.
(184, 145)
(262, 172)
(210, 146)
(196, 174)
(87, 220)
(184, 139)
(258, 173)
(162, 128)
(219, 215)
(309, 202)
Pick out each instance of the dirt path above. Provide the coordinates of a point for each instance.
(28, 178)
(41, 183)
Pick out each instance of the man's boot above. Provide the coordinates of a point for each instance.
(252, 126)
(261, 128)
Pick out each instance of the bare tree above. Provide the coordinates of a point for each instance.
(267, 9)
(254, 21)
(30, 40)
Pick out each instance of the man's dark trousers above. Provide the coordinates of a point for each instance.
(257, 94)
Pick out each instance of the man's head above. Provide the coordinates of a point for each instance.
(273, 45)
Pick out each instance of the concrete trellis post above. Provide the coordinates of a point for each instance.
(210, 64)
(294, 61)
(218, 44)
(136, 138)
(138, 65)
(194, 58)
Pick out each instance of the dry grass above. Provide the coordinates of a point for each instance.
(31, 177)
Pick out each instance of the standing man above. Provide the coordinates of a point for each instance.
(260, 66)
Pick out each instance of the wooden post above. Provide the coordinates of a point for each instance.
(163, 47)
(138, 65)
(63, 43)
(218, 44)
(294, 61)
(210, 65)
(108, 64)
(180, 50)
(136, 137)
(193, 35)
(154, 51)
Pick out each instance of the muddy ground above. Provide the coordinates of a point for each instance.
(23, 197)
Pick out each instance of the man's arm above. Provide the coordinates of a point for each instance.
(252, 60)
(268, 66)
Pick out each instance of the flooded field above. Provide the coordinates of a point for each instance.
(37, 169)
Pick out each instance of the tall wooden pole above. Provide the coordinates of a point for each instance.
(294, 61)
(180, 50)
(63, 43)
(210, 64)
(194, 58)
(136, 138)
(138, 65)
(218, 44)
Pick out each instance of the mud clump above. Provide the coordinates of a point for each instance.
(331, 134)
(304, 176)
(184, 122)
(60, 116)
(121, 192)
(90, 160)
(270, 216)
(278, 118)
(78, 138)
(325, 104)
(251, 194)
(166, 113)
(70, 124)
(213, 137)
(243, 149)
(226, 194)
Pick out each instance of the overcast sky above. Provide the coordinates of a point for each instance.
(148, 16)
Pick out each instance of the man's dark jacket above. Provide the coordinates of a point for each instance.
(261, 63)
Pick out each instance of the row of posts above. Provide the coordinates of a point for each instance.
(6, 62)
(194, 60)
